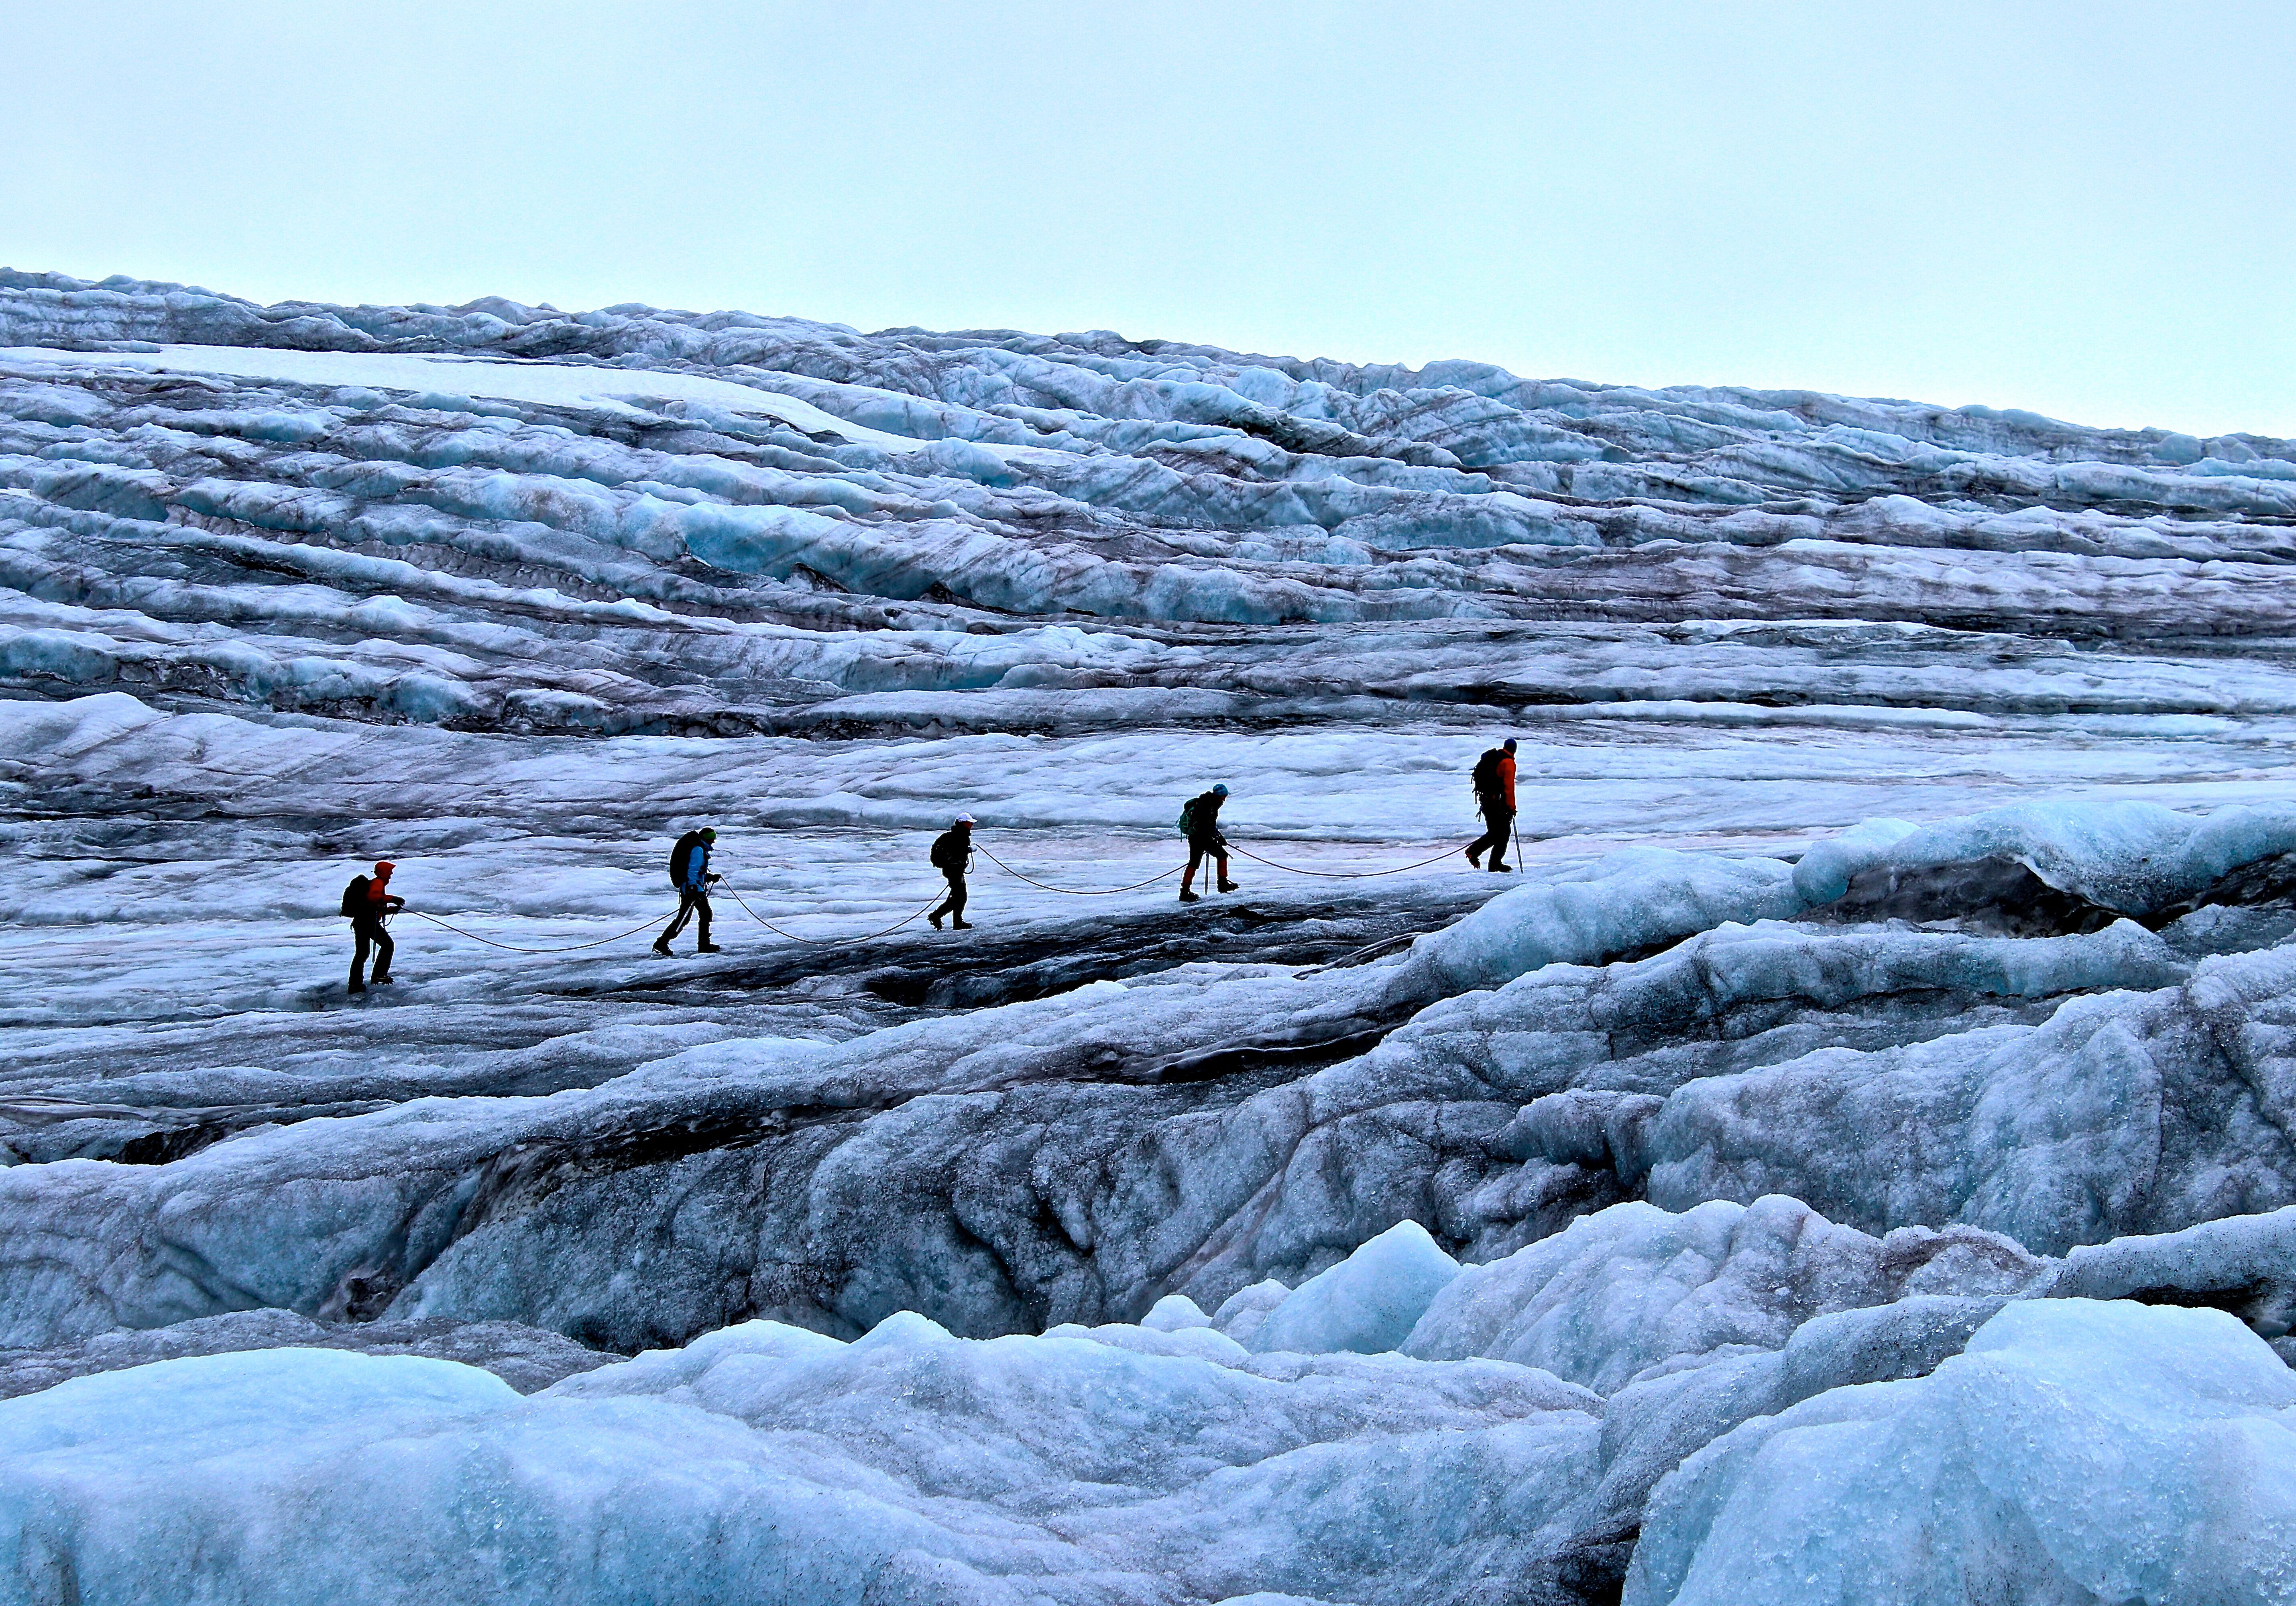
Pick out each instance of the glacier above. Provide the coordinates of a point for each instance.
(1852, 1158)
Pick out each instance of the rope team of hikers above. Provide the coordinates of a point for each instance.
(368, 901)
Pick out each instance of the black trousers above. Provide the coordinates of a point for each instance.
(367, 931)
(1501, 820)
(954, 904)
(1198, 852)
(691, 901)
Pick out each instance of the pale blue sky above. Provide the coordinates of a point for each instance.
(2086, 209)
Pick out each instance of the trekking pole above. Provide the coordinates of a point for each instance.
(1518, 844)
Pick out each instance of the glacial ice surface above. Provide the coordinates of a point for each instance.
(1848, 1158)
(2075, 1451)
(763, 1461)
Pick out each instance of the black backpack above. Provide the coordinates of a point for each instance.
(355, 898)
(1487, 775)
(950, 853)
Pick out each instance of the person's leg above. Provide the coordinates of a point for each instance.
(676, 921)
(358, 956)
(1502, 821)
(1225, 884)
(948, 901)
(1493, 839)
(1195, 857)
(956, 901)
(702, 942)
(383, 949)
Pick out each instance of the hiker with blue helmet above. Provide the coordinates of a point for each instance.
(1200, 824)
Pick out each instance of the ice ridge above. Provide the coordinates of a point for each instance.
(808, 520)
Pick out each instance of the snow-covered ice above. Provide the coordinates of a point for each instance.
(766, 1463)
(2074, 1452)
(1851, 1158)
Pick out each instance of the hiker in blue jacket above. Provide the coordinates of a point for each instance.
(689, 872)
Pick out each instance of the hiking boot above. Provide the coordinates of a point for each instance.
(1188, 897)
(705, 948)
(961, 925)
(1501, 864)
(1475, 858)
(355, 988)
(661, 946)
(935, 919)
(1228, 886)
(379, 981)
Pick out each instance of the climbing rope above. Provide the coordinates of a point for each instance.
(1072, 892)
(1342, 875)
(1077, 891)
(824, 941)
(514, 947)
(1369, 950)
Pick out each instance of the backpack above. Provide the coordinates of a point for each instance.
(355, 898)
(1188, 818)
(1487, 775)
(948, 853)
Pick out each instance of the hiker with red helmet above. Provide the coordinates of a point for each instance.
(368, 901)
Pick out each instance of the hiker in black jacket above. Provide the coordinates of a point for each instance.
(952, 856)
(1200, 824)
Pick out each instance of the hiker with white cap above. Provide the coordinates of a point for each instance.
(1200, 824)
(952, 856)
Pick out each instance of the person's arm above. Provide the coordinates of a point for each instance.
(1506, 773)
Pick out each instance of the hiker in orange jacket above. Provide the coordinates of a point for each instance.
(1494, 781)
(368, 901)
